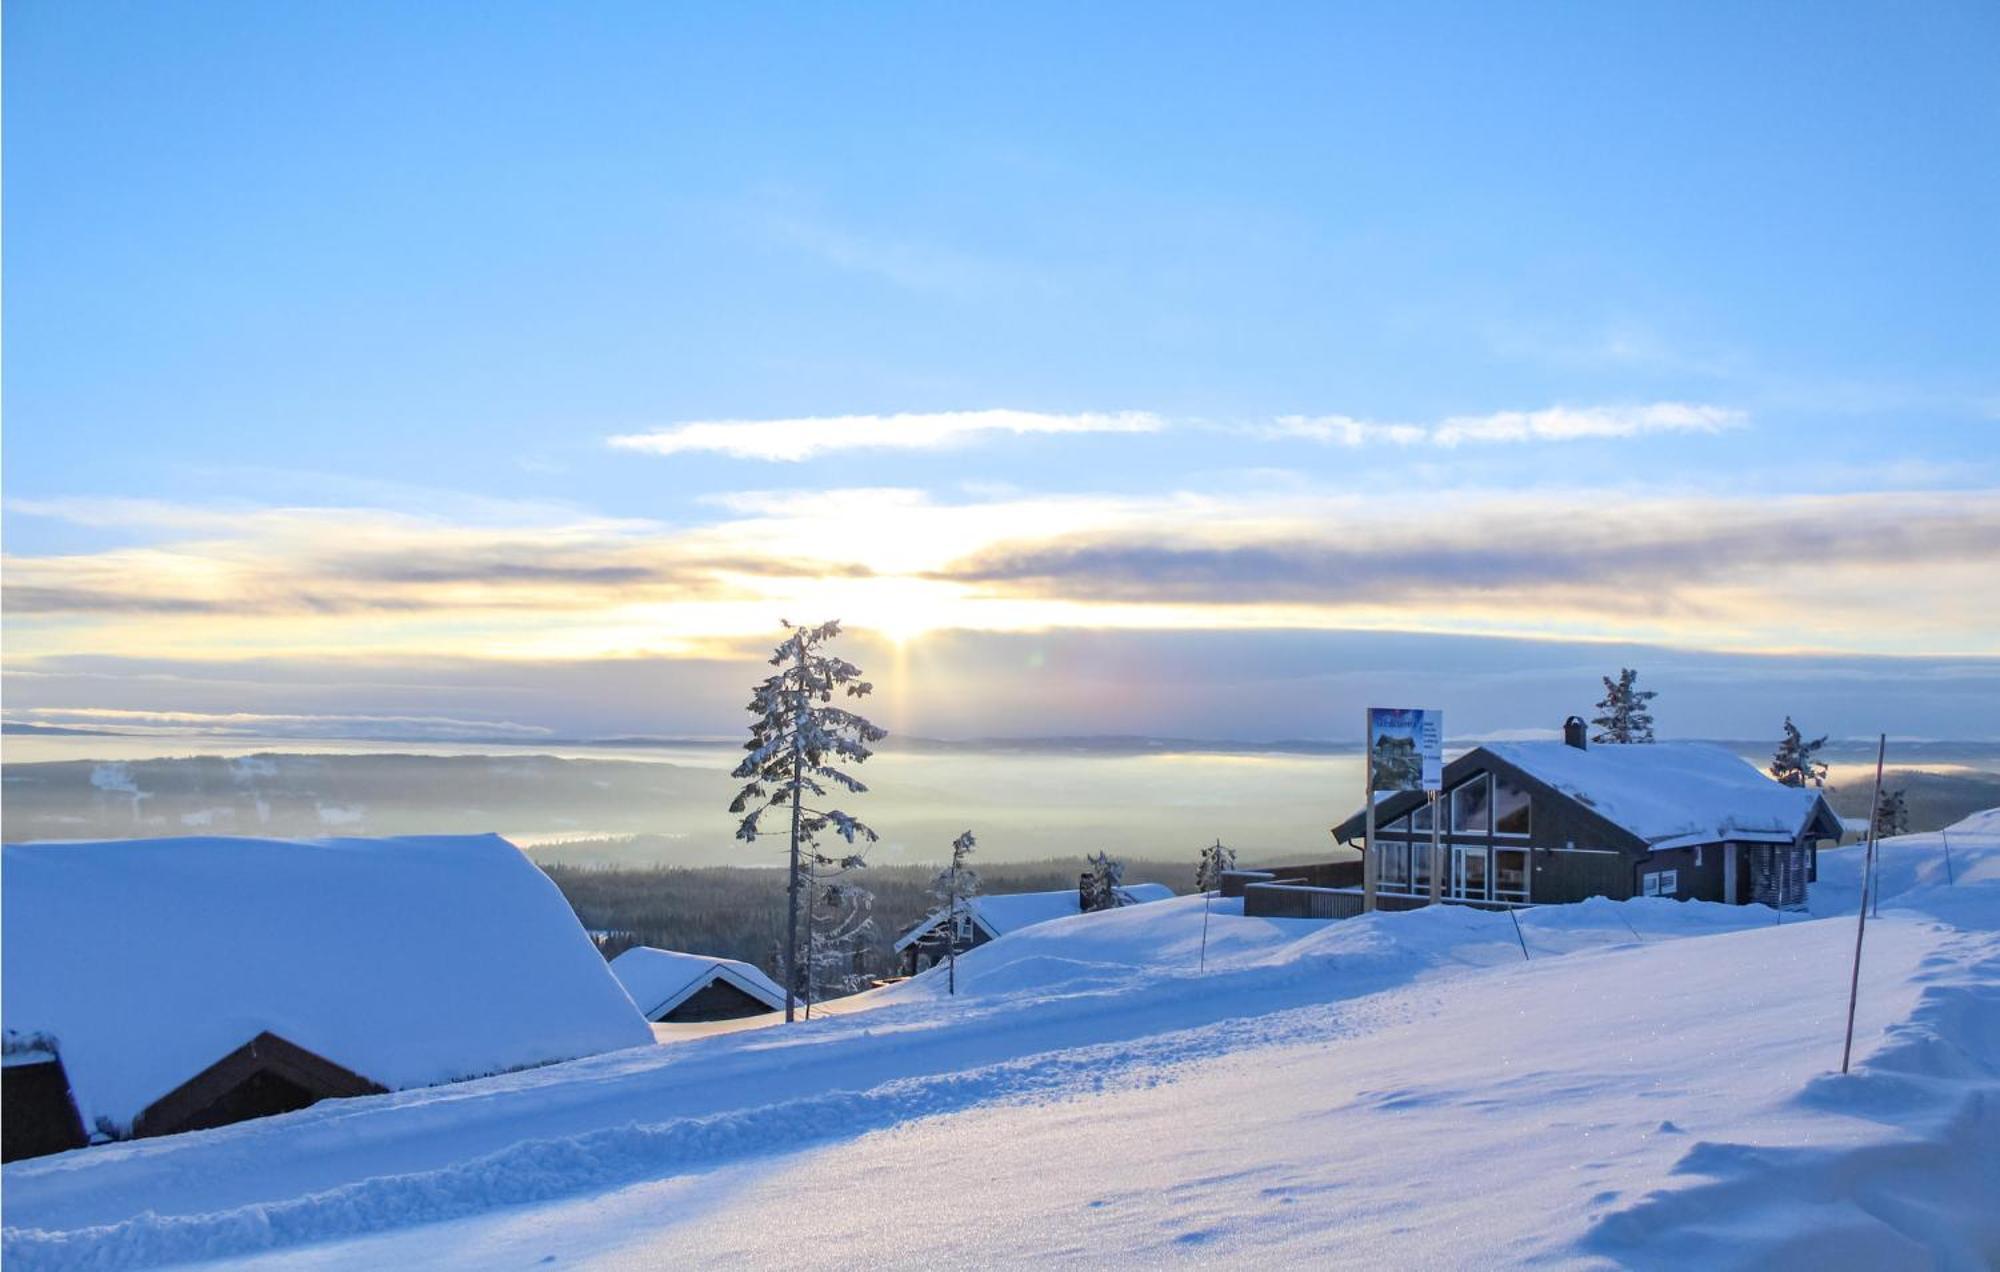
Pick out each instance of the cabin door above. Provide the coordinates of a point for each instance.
(1469, 871)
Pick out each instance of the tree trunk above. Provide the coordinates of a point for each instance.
(792, 890)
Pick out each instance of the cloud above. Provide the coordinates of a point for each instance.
(1554, 424)
(1884, 572)
(275, 725)
(805, 437)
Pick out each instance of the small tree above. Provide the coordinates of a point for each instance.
(839, 925)
(1794, 762)
(1624, 715)
(956, 884)
(1214, 860)
(797, 743)
(1892, 815)
(1102, 887)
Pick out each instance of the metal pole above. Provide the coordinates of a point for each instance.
(1517, 933)
(1861, 923)
(1947, 858)
(1204, 930)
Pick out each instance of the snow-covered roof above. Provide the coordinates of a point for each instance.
(1669, 794)
(661, 980)
(408, 961)
(999, 913)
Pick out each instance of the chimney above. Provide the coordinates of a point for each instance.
(1574, 734)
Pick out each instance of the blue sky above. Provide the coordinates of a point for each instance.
(295, 291)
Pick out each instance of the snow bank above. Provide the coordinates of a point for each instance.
(409, 961)
(1912, 869)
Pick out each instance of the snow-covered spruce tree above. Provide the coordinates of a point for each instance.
(1625, 717)
(1214, 860)
(954, 885)
(1793, 764)
(1103, 885)
(1892, 815)
(797, 744)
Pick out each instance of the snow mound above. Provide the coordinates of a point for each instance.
(1984, 822)
(409, 961)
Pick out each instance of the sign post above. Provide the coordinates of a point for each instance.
(1405, 752)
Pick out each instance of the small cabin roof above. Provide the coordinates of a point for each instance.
(408, 961)
(661, 980)
(999, 913)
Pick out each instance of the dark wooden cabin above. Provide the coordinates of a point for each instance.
(37, 1109)
(1550, 822)
(264, 1076)
(670, 987)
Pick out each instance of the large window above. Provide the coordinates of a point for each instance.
(1399, 827)
(1395, 868)
(1510, 874)
(1471, 806)
(1511, 805)
(1420, 867)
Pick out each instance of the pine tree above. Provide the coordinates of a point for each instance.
(1892, 815)
(1794, 762)
(797, 744)
(956, 884)
(1214, 860)
(1625, 717)
(1103, 885)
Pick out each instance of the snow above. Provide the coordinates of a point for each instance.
(661, 980)
(1002, 912)
(409, 961)
(1649, 1085)
(1669, 794)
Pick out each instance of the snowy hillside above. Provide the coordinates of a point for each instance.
(1640, 1084)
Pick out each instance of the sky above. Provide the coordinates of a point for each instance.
(1208, 371)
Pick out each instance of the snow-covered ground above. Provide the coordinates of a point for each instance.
(1645, 1084)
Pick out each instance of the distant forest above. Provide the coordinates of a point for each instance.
(739, 912)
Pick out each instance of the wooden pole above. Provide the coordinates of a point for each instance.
(1437, 846)
(1368, 854)
(1947, 858)
(1861, 922)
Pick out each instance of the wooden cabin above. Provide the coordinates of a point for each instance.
(1547, 822)
(989, 916)
(670, 987)
(158, 986)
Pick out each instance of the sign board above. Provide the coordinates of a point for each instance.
(1405, 749)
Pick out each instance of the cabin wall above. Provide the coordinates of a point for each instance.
(39, 1114)
(717, 1000)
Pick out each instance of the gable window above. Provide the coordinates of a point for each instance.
(1511, 807)
(1471, 807)
(1420, 821)
(1399, 827)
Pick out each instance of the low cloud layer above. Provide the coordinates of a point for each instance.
(1554, 424)
(803, 438)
